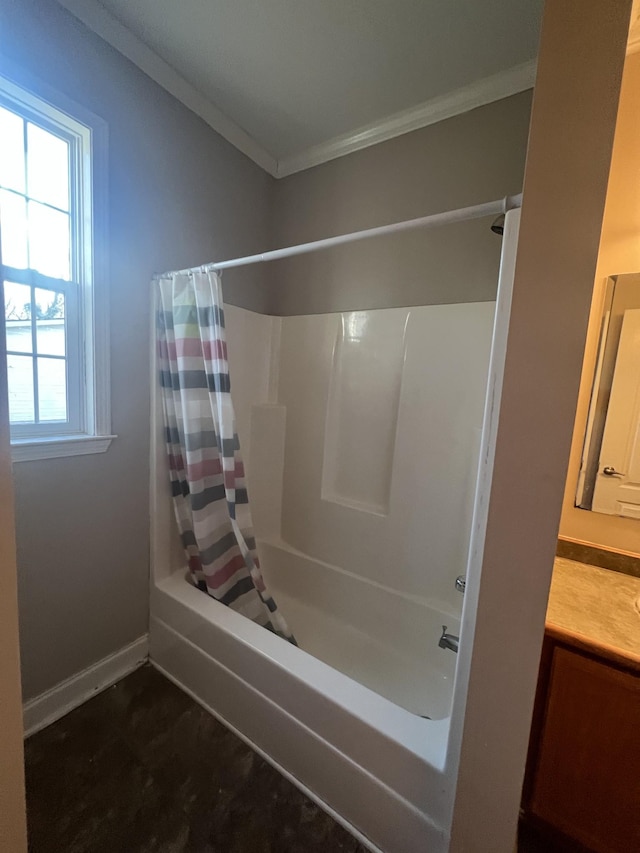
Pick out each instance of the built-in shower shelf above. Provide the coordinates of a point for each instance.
(362, 409)
(360, 506)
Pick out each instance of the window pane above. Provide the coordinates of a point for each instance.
(11, 151)
(48, 241)
(47, 167)
(20, 381)
(50, 322)
(13, 222)
(17, 314)
(52, 389)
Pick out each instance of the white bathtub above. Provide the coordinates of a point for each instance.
(374, 765)
(383, 639)
(344, 715)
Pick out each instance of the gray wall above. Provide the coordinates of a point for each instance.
(466, 160)
(178, 195)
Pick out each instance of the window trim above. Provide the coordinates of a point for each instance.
(34, 96)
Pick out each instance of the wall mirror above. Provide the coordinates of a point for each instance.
(609, 479)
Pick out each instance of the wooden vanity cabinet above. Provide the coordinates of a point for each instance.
(583, 771)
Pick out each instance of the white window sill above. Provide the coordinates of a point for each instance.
(30, 449)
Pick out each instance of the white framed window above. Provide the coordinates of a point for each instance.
(52, 240)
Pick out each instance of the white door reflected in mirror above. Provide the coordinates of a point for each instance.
(617, 486)
(609, 478)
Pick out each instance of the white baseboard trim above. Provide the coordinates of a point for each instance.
(64, 697)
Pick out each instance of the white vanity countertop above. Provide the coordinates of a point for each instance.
(596, 605)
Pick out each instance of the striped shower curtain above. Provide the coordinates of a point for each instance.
(206, 470)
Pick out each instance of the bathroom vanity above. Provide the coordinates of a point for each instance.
(582, 786)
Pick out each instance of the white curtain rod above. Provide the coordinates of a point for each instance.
(476, 211)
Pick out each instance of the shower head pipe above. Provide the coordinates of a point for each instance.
(433, 220)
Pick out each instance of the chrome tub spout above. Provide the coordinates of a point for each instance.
(448, 641)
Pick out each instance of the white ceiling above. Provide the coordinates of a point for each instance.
(295, 74)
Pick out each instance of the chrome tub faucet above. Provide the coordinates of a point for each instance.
(448, 641)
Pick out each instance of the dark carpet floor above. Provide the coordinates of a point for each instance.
(142, 768)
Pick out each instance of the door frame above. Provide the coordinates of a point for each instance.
(525, 463)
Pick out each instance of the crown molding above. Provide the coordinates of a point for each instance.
(477, 94)
(94, 16)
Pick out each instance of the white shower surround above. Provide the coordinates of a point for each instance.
(407, 530)
(383, 771)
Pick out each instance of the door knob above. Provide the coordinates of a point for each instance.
(611, 472)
